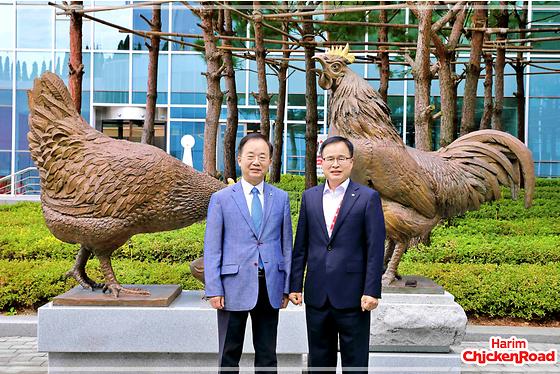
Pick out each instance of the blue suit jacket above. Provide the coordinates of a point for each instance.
(232, 247)
(347, 265)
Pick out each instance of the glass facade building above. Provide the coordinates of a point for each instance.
(35, 39)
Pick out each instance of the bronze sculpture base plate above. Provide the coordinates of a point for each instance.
(412, 284)
(161, 295)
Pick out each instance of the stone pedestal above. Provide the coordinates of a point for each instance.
(417, 323)
(183, 337)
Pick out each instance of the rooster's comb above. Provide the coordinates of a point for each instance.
(342, 52)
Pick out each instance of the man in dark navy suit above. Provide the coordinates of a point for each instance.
(340, 237)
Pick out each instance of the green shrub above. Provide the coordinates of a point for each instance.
(526, 291)
(30, 284)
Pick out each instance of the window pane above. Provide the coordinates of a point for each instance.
(6, 69)
(62, 37)
(546, 84)
(138, 42)
(296, 84)
(29, 66)
(38, 36)
(5, 168)
(396, 86)
(140, 64)
(180, 129)
(543, 136)
(110, 79)
(184, 22)
(271, 82)
(6, 26)
(296, 148)
(109, 38)
(188, 85)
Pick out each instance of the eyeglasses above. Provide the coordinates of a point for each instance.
(252, 158)
(341, 160)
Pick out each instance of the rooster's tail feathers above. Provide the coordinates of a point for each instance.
(501, 156)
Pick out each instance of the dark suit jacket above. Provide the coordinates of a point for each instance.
(347, 265)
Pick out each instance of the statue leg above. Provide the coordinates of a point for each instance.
(389, 249)
(391, 271)
(78, 271)
(111, 283)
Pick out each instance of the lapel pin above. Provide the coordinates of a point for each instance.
(353, 194)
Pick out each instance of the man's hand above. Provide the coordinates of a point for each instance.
(217, 302)
(295, 298)
(284, 302)
(369, 303)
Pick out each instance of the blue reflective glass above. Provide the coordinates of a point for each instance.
(138, 42)
(184, 22)
(190, 113)
(38, 36)
(23, 160)
(396, 87)
(545, 84)
(62, 33)
(140, 62)
(109, 38)
(296, 84)
(29, 66)
(299, 114)
(188, 85)
(295, 147)
(5, 127)
(544, 134)
(180, 129)
(5, 169)
(7, 26)
(6, 74)
(110, 81)
(220, 146)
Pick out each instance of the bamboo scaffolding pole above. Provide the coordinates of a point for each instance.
(494, 30)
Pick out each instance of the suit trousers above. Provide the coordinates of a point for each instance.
(231, 333)
(325, 326)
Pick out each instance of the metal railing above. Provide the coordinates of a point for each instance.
(25, 182)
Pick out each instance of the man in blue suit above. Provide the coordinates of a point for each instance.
(340, 237)
(247, 257)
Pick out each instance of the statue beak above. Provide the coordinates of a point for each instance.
(325, 82)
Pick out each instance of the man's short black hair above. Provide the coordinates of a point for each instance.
(337, 139)
(251, 136)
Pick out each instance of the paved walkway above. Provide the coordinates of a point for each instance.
(19, 355)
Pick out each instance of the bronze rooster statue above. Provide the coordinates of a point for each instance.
(98, 191)
(418, 189)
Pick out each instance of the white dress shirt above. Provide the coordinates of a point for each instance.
(247, 188)
(332, 201)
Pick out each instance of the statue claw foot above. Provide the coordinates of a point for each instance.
(116, 289)
(84, 281)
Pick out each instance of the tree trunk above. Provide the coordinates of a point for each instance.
(281, 105)
(75, 66)
(503, 20)
(151, 98)
(519, 68)
(486, 119)
(447, 79)
(214, 93)
(384, 69)
(311, 115)
(473, 71)
(263, 98)
(422, 80)
(230, 135)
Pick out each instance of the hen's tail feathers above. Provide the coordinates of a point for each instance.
(54, 124)
(495, 157)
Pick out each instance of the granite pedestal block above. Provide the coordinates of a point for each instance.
(183, 337)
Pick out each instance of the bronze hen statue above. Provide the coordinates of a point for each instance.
(98, 191)
(418, 189)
